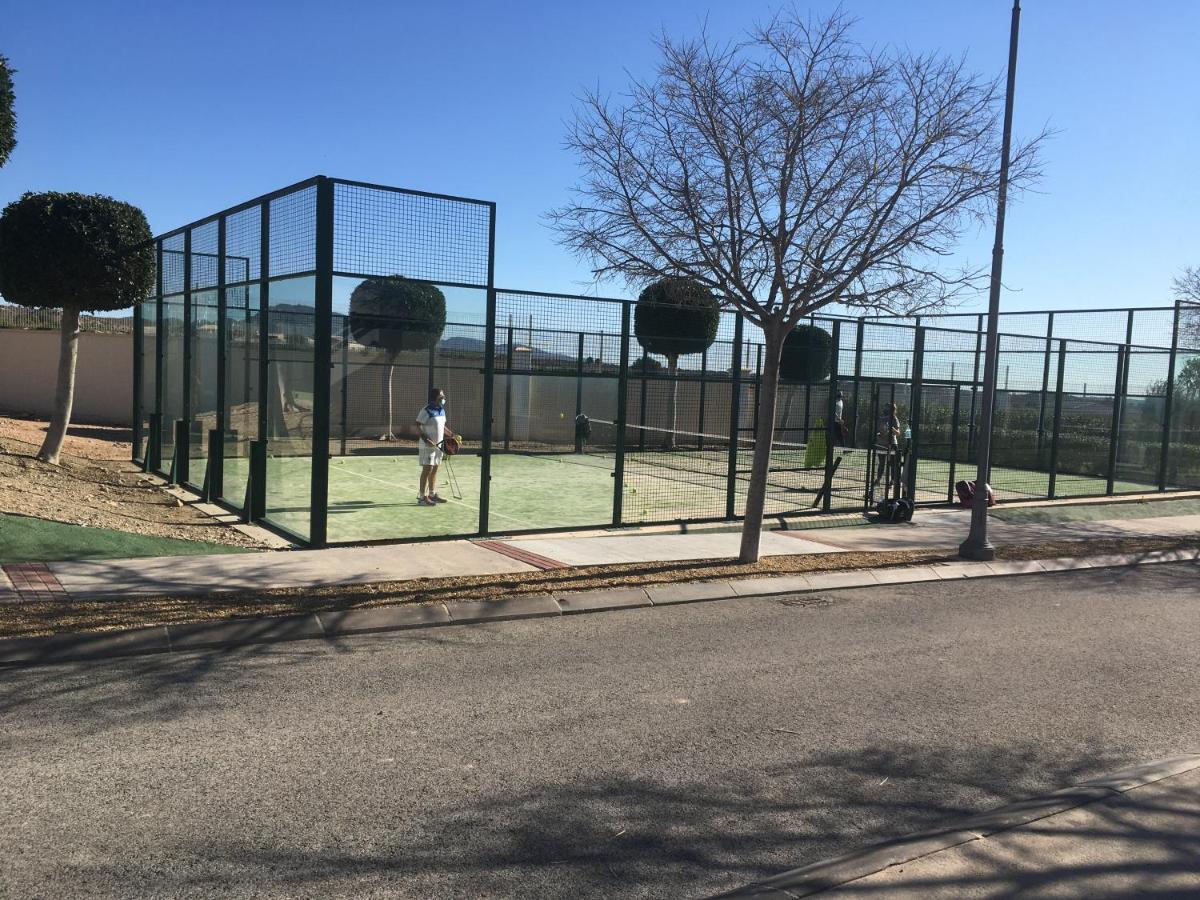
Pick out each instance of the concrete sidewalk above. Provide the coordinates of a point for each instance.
(935, 530)
(1135, 833)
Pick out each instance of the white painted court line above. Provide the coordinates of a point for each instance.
(400, 487)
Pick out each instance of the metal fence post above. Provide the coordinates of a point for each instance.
(183, 462)
(971, 427)
(700, 410)
(489, 379)
(1115, 429)
(622, 415)
(138, 350)
(1041, 427)
(735, 421)
(215, 476)
(858, 354)
(951, 480)
(642, 404)
(1169, 400)
(758, 389)
(1057, 426)
(264, 321)
(579, 394)
(154, 452)
(345, 422)
(831, 428)
(322, 364)
(508, 374)
(912, 456)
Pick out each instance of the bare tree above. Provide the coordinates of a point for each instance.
(787, 172)
(1186, 288)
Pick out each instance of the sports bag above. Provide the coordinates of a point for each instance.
(966, 494)
(895, 510)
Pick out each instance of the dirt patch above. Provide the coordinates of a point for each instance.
(52, 617)
(96, 485)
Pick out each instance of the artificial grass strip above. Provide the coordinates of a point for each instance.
(29, 539)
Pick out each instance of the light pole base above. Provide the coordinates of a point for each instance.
(973, 548)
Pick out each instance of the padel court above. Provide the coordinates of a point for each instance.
(263, 384)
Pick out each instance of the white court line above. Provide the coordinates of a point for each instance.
(491, 512)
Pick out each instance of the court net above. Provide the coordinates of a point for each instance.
(794, 466)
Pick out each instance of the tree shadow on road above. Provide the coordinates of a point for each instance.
(597, 835)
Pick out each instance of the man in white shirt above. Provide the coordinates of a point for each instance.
(431, 432)
(839, 422)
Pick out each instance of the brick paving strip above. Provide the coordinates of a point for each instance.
(536, 560)
(336, 624)
(34, 581)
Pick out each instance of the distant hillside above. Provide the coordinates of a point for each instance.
(26, 319)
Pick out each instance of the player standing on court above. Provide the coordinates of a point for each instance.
(431, 432)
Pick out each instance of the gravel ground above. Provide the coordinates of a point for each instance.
(96, 485)
(670, 752)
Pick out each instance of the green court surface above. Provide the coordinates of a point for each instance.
(27, 539)
(374, 496)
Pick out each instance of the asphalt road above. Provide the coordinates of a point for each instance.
(669, 752)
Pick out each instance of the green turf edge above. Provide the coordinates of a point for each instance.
(30, 539)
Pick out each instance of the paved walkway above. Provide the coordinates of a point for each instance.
(940, 529)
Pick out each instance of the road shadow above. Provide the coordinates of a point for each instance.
(595, 835)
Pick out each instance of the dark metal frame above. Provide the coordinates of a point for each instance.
(253, 506)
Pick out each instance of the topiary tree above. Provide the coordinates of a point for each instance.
(395, 314)
(8, 118)
(807, 355)
(73, 252)
(805, 359)
(673, 317)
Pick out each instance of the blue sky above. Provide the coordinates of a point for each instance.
(185, 109)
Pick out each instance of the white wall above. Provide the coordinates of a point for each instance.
(103, 377)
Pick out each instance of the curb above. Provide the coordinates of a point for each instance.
(839, 870)
(342, 623)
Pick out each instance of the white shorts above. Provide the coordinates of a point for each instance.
(429, 455)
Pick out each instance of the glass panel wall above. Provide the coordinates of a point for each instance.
(202, 394)
(145, 348)
(243, 320)
(289, 392)
(557, 360)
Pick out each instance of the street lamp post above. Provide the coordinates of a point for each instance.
(977, 545)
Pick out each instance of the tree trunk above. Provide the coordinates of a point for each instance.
(672, 401)
(64, 393)
(763, 438)
(388, 434)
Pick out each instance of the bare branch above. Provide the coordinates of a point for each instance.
(792, 171)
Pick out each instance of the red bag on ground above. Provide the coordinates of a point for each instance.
(966, 494)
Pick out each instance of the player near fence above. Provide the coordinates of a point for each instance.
(887, 446)
(431, 435)
(838, 431)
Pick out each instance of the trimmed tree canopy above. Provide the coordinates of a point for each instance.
(396, 313)
(807, 354)
(82, 251)
(676, 316)
(8, 118)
